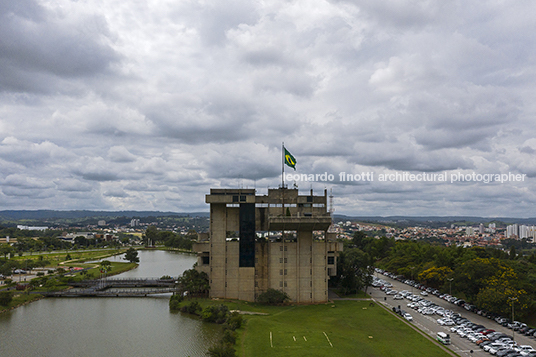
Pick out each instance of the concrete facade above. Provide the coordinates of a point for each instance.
(278, 241)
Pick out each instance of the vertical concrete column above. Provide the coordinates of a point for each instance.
(218, 234)
(304, 273)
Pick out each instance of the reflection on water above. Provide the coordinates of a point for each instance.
(109, 326)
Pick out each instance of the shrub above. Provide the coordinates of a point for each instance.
(273, 297)
(229, 337)
(221, 350)
(5, 298)
(234, 321)
(175, 302)
(217, 314)
(192, 308)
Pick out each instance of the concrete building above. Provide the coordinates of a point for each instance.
(278, 241)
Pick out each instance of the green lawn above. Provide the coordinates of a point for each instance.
(352, 327)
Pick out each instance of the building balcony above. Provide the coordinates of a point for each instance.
(299, 223)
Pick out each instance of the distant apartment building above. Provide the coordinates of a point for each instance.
(134, 222)
(512, 231)
(279, 240)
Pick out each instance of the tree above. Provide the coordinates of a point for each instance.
(6, 249)
(151, 234)
(513, 253)
(105, 266)
(194, 282)
(132, 255)
(352, 270)
(435, 277)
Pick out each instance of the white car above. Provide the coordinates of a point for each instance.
(525, 349)
(398, 297)
(408, 317)
(424, 293)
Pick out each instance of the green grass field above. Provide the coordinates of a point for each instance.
(350, 328)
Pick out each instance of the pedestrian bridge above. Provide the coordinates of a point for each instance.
(116, 288)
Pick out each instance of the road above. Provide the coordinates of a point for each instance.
(428, 323)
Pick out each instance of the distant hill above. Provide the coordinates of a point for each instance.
(437, 219)
(14, 215)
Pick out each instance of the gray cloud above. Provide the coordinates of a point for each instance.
(41, 47)
(147, 106)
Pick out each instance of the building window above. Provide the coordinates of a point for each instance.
(280, 284)
(281, 248)
(309, 198)
(331, 260)
(285, 260)
(256, 284)
(235, 198)
(242, 198)
(311, 283)
(205, 260)
(311, 271)
(225, 284)
(285, 271)
(285, 284)
(280, 271)
(285, 248)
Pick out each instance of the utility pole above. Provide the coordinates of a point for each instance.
(450, 285)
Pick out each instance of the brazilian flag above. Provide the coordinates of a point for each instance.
(289, 159)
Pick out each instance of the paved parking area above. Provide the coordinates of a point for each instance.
(428, 323)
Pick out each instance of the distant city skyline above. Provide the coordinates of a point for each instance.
(107, 105)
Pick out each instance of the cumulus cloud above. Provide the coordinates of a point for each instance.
(117, 105)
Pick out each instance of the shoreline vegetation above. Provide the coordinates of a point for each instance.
(23, 297)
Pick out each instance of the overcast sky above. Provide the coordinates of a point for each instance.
(146, 105)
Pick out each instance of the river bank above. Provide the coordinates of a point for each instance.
(88, 327)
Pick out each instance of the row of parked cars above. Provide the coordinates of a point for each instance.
(496, 343)
(504, 321)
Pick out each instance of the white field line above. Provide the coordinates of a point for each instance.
(328, 339)
(304, 338)
(294, 337)
(271, 344)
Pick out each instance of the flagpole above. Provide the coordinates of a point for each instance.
(282, 164)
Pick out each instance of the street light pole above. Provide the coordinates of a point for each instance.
(412, 281)
(513, 299)
(450, 285)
